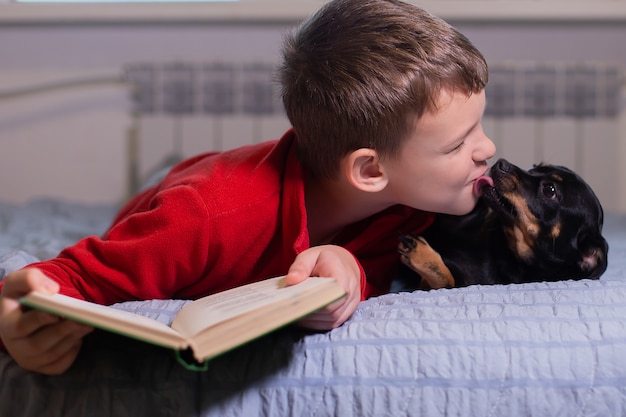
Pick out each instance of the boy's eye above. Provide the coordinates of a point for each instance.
(457, 147)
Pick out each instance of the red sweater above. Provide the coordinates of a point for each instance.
(217, 221)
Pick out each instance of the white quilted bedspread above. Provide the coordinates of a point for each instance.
(544, 349)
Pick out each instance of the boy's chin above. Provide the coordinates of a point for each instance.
(461, 209)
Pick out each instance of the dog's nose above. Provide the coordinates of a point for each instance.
(503, 165)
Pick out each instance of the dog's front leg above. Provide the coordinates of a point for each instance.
(418, 255)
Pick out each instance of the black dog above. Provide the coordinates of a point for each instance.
(544, 224)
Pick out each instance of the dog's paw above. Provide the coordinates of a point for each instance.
(417, 254)
(407, 243)
(410, 248)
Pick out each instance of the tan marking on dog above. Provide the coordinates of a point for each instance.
(556, 231)
(520, 245)
(526, 230)
(557, 177)
(427, 262)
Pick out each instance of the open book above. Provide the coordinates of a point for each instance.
(210, 325)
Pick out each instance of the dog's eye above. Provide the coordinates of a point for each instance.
(549, 190)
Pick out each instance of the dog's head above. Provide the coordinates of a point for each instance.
(551, 217)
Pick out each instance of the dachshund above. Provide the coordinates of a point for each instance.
(544, 224)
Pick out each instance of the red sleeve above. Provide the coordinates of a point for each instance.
(365, 287)
(149, 254)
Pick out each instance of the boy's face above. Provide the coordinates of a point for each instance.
(446, 153)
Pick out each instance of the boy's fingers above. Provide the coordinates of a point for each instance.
(15, 324)
(331, 316)
(51, 349)
(58, 338)
(20, 324)
(22, 282)
(295, 275)
(61, 363)
(301, 268)
(58, 356)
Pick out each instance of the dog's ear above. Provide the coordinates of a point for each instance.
(593, 252)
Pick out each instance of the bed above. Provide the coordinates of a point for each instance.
(542, 349)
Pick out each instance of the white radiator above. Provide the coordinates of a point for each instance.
(566, 114)
(562, 113)
(70, 140)
(188, 108)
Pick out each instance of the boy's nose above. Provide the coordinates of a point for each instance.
(485, 150)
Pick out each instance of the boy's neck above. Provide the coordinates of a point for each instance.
(332, 205)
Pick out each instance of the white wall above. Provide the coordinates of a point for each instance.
(71, 143)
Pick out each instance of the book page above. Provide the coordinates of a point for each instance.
(208, 311)
(107, 318)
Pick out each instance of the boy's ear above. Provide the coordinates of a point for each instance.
(364, 170)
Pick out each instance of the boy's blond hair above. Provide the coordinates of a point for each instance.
(356, 73)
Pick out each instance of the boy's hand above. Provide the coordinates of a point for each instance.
(333, 262)
(37, 341)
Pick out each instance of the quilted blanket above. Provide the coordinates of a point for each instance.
(542, 349)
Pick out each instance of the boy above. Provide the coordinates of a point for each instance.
(386, 104)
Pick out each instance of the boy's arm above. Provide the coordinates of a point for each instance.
(141, 256)
(333, 262)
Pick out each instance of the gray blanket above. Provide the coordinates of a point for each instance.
(516, 350)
